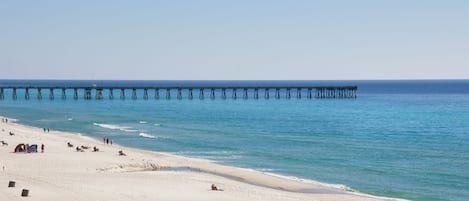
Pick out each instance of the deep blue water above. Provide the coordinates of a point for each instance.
(407, 139)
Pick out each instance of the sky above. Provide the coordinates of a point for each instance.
(234, 40)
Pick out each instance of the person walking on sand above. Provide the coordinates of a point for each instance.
(107, 140)
(42, 148)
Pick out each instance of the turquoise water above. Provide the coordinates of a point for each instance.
(407, 139)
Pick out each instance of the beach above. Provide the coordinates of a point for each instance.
(62, 172)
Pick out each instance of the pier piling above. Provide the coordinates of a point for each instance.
(51, 93)
(168, 94)
(39, 94)
(75, 93)
(145, 94)
(26, 93)
(134, 94)
(64, 95)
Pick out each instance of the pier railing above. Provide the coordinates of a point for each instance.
(156, 92)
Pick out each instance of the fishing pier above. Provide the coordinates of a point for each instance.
(212, 91)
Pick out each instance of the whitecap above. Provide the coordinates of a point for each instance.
(145, 135)
(142, 122)
(115, 127)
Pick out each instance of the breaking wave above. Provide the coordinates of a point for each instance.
(145, 135)
(115, 127)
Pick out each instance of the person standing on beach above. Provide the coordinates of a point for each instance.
(42, 148)
(107, 140)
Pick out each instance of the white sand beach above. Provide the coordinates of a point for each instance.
(62, 173)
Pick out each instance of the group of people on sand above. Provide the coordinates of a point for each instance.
(46, 129)
(107, 140)
(215, 188)
(82, 148)
(4, 120)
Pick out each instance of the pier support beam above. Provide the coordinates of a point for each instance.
(256, 93)
(39, 93)
(75, 93)
(288, 94)
(201, 94)
(2, 95)
(277, 93)
(145, 94)
(179, 96)
(64, 95)
(111, 93)
(134, 94)
(310, 94)
(266, 93)
(245, 93)
(122, 94)
(223, 93)
(212, 93)
(298, 93)
(157, 93)
(168, 93)
(87, 95)
(26, 93)
(234, 95)
(99, 94)
(14, 94)
(190, 95)
(51, 93)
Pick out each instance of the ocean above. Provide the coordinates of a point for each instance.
(403, 138)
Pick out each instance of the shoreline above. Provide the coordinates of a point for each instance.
(238, 183)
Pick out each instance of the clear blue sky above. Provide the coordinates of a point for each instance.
(289, 39)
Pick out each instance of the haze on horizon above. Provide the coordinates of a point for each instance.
(234, 40)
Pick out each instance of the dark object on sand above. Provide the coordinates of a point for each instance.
(20, 148)
(11, 184)
(32, 148)
(24, 193)
(121, 153)
(215, 188)
(79, 149)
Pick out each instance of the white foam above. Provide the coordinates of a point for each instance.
(115, 127)
(70, 119)
(157, 124)
(142, 122)
(147, 135)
